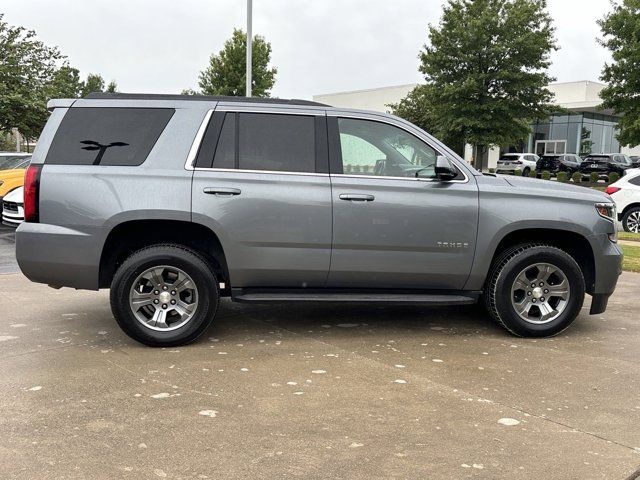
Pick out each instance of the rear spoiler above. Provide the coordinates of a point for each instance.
(60, 103)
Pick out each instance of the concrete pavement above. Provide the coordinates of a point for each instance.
(7, 250)
(315, 392)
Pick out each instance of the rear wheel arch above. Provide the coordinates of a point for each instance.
(128, 237)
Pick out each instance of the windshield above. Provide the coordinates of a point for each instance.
(9, 162)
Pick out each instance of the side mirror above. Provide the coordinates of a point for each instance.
(445, 171)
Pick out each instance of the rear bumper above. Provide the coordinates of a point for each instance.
(58, 256)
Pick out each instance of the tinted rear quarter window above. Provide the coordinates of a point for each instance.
(107, 136)
(635, 181)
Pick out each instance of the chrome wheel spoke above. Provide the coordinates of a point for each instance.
(139, 299)
(523, 308)
(155, 276)
(184, 308)
(561, 290)
(183, 283)
(521, 283)
(545, 272)
(633, 222)
(159, 318)
(546, 311)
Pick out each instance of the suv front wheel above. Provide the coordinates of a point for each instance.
(164, 295)
(534, 290)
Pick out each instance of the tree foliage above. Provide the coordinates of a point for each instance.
(31, 73)
(226, 73)
(27, 68)
(485, 67)
(621, 31)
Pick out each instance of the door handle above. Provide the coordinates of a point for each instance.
(357, 197)
(221, 191)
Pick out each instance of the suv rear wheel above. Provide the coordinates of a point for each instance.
(534, 290)
(164, 295)
(631, 220)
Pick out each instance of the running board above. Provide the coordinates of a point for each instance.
(433, 299)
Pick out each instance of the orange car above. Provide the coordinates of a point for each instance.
(12, 166)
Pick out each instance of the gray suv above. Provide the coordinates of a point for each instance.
(173, 202)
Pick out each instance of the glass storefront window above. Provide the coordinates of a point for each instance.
(585, 133)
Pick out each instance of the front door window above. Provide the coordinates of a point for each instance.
(378, 149)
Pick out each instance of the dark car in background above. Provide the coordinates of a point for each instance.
(605, 163)
(566, 162)
(635, 161)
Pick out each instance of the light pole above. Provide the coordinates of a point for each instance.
(249, 45)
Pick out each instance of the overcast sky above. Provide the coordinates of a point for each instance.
(319, 46)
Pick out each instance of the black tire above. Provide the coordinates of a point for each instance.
(525, 172)
(505, 269)
(635, 211)
(166, 255)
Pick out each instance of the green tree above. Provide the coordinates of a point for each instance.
(27, 68)
(485, 67)
(621, 32)
(66, 83)
(93, 83)
(416, 108)
(112, 87)
(226, 73)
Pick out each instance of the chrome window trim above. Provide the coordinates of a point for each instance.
(270, 172)
(195, 145)
(410, 179)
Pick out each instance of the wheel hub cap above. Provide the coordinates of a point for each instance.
(537, 293)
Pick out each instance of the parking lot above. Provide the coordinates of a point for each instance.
(313, 392)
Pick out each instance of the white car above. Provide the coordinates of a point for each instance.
(13, 208)
(626, 193)
(510, 162)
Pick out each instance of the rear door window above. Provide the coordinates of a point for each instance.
(276, 142)
(107, 136)
(267, 142)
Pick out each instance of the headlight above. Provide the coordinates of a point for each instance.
(607, 210)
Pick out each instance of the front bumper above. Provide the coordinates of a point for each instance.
(608, 267)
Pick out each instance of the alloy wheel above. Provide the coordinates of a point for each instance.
(633, 222)
(163, 298)
(540, 293)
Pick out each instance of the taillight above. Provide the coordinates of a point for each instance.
(32, 194)
(610, 190)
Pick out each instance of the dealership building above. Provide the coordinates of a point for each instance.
(581, 128)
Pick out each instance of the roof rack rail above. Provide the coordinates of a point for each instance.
(202, 98)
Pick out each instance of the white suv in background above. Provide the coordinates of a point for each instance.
(510, 162)
(626, 193)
